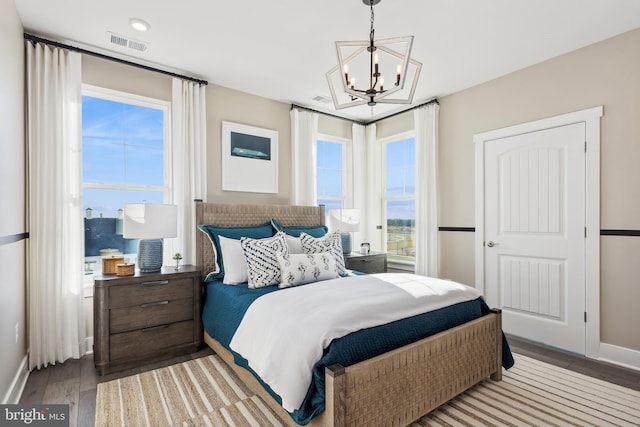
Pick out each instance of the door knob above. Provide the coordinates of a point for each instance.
(491, 244)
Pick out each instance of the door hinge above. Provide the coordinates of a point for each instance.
(585, 232)
(585, 317)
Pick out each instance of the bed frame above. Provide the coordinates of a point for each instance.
(393, 389)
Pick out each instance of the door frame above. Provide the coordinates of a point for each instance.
(591, 118)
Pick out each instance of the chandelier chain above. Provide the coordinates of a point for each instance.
(372, 30)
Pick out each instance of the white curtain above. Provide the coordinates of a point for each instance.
(359, 156)
(189, 160)
(426, 240)
(56, 230)
(373, 209)
(304, 139)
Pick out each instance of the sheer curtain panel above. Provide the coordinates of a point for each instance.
(304, 137)
(359, 146)
(426, 125)
(373, 208)
(189, 158)
(56, 231)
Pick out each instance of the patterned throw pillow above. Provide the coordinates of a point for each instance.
(300, 269)
(262, 264)
(332, 242)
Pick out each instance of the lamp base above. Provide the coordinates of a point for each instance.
(346, 243)
(150, 255)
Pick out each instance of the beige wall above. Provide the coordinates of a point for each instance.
(335, 127)
(230, 105)
(12, 213)
(606, 73)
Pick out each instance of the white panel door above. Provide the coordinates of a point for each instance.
(534, 251)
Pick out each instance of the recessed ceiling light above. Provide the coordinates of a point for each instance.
(139, 24)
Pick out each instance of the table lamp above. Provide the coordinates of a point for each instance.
(150, 222)
(345, 221)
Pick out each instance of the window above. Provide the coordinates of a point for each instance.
(399, 200)
(124, 157)
(330, 173)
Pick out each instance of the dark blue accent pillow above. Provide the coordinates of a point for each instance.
(214, 232)
(296, 230)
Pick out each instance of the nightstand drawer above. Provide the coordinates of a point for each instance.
(150, 340)
(150, 291)
(374, 262)
(150, 314)
(375, 265)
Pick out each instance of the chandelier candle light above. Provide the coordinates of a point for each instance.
(368, 60)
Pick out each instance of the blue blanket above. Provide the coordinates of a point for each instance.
(225, 305)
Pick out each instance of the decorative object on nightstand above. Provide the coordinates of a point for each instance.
(373, 262)
(110, 264)
(177, 257)
(146, 317)
(126, 269)
(150, 222)
(345, 221)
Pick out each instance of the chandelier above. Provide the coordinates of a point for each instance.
(359, 77)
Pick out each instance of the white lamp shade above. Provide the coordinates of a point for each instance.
(150, 221)
(344, 220)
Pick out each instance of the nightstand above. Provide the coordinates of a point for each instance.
(373, 262)
(146, 317)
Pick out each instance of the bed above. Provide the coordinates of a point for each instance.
(395, 387)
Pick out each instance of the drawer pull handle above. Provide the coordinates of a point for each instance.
(153, 328)
(155, 283)
(152, 304)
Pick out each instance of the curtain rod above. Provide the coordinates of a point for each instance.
(36, 39)
(300, 107)
(433, 101)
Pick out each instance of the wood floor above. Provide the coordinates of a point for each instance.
(75, 381)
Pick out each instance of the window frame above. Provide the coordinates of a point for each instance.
(402, 264)
(166, 189)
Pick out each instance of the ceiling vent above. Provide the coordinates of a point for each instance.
(321, 98)
(127, 43)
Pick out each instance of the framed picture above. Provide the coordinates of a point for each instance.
(249, 158)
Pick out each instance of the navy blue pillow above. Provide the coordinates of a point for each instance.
(295, 230)
(214, 231)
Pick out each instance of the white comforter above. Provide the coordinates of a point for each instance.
(283, 334)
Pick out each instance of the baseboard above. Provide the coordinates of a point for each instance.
(621, 356)
(17, 385)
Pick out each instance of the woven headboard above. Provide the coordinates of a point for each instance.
(225, 215)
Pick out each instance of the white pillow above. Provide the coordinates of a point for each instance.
(299, 269)
(235, 263)
(331, 242)
(294, 244)
(262, 264)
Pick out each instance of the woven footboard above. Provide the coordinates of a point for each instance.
(398, 387)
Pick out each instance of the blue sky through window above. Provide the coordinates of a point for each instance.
(329, 175)
(123, 146)
(400, 179)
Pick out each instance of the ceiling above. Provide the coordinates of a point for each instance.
(282, 50)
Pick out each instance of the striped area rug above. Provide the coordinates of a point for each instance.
(205, 392)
